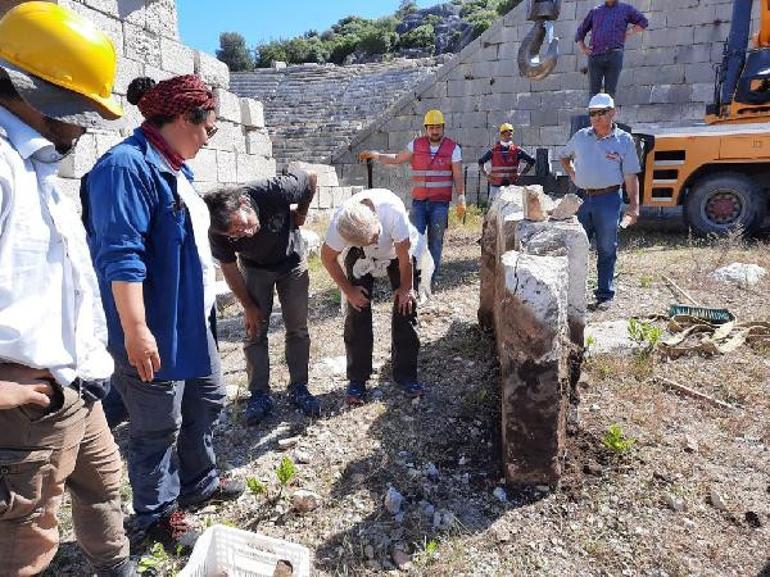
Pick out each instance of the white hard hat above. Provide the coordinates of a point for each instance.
(601, 100)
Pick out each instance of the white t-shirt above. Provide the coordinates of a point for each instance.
(199, 214)
(392, 216)
(457, 153)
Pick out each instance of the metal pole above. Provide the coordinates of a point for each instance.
(369, 170)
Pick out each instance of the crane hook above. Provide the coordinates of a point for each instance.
(531, 65)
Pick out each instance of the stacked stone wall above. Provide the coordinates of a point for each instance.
(311, 109)
(667, 80)
(146, 38)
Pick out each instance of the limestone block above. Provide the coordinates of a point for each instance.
(204, 166)
(176, 57)
(70, 189)
(554, 135)
(105, 141)
(668, 37)
(252, 167)
(327, 175)
(226, 166)
(161, 18)
(562, 238)
(81, 160)
(127, 70)
(141, 45)
(258, 142)
(229, 106)
(567, 207)
(229, 136)
(324, 197)
(531, 336)
(109, 7)
(703, 92)
(699, 72)
(157, 74)
(213, 72)
(252, 113)
(529, 101)
(671, 93)
(133, 11)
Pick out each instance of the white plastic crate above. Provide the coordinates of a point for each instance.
(223, 550)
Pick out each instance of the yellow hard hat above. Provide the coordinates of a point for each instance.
(433, 117)
(505, 127)
(63, 49)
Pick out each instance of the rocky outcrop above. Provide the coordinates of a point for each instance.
(533, 283)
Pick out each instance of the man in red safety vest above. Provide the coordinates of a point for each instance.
(504, 159)
(436, 162)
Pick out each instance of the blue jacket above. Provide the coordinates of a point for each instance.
(139, 231)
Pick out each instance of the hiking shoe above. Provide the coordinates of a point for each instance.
(356, 393)
(173, 531)
(258, 407)
(412, 388)
(304, 401)
(227, 490)
(125, 568)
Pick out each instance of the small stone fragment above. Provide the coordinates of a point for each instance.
(369, 551)
(500, 494)
(305, 501)
(401, 559)
(567, 207)
(690, 444)
(533, 204)
(593, 468)
(717, 501)
(287, 443)
(753, 520)
(431, 471)
(393, 501)
(674, 503)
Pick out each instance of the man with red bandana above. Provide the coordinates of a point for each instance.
(148, 234)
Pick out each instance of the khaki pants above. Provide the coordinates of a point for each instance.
(41, 452)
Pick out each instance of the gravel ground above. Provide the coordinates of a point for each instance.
(689, 498)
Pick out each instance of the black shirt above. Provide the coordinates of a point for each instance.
(275, 246)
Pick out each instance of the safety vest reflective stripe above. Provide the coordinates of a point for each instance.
(431, 173)
(437, 184)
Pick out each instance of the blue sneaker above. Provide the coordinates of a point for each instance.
(304, 401)
(259, 406)
(412, 388)
(356, 393)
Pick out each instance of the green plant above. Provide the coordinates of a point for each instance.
(286, 471)
(590, 342)
(616, 441)
(255, 486)
(431, 547)
(645, 334)
(645, 281)
(154, 560)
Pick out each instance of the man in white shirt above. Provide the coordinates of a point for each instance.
(373, 227)
(54, 364)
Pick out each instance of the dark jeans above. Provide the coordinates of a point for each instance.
(430, 217)
(604, 72)
(600, 216)
(165, 415)
(359, 338)
(292, 289)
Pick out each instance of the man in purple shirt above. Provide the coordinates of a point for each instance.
(608, 25)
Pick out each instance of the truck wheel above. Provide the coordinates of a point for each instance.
(718, 203)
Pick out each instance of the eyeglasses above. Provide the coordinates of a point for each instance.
(602, 112)
(211, 130)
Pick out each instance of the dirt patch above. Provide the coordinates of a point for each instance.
(648, 511)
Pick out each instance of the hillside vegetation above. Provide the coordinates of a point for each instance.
(411, 32)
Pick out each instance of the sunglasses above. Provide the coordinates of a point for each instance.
(507, 132)
(593, 113)
(211, 130)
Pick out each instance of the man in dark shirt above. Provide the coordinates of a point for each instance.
(254, 225)
(608, 25)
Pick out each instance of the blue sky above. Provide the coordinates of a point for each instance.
(201, 21)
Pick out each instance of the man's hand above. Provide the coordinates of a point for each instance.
(630, 217)
(635, 29)
(460, 207)
(585, 49)
(16, 394)
(405, 300)
(142, 352)
(367, 155)
(358, 297)
(252, 320)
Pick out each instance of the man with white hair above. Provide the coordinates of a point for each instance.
(373, 227)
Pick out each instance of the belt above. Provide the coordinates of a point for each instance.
(600, 191)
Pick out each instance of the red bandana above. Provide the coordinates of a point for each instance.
(176, 96)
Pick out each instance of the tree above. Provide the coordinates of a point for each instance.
(405, 8)
(233, 52)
